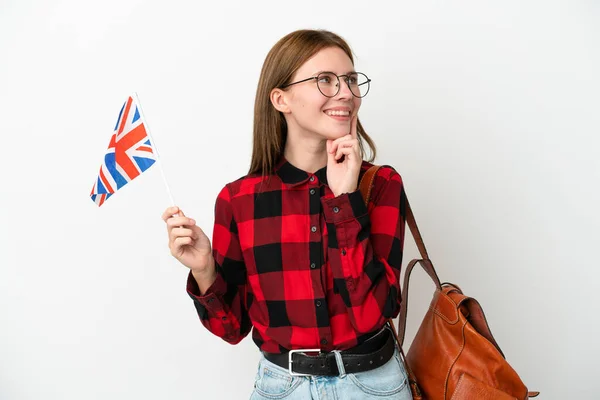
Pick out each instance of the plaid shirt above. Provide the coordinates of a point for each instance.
(307, 269)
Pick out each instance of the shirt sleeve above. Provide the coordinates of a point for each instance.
(223, 309)
(365, 249)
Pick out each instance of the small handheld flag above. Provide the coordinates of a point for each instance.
(129, 153)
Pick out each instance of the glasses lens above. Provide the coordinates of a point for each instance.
(328, 84)
(359, 84)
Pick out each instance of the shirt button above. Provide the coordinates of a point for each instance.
(343, 252)
(323, 341)
(223, 318)
(313, 265)
(314, 229)
(312, 178)
(312, 191)
(318, 303)
(210, 300)
(336, 210)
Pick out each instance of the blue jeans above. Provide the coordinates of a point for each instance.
(389, 381)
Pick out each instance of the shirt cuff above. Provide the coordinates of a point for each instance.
(344, 207)
(211, 299)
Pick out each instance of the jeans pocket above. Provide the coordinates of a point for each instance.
(272, 383)
(389, 379)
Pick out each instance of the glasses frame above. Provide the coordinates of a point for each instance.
(345, 76)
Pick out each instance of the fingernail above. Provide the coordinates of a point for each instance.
(193, 222)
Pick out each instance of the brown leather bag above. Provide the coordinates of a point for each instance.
(453, 355)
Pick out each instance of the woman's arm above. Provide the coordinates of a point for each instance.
(219, 295)
(365, 250)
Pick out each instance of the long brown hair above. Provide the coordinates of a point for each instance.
(284, 59)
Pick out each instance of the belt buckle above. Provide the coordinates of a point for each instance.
(299, 351)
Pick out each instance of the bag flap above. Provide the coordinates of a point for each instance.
(469, 388)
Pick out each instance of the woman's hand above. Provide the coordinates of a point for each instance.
(342, 177)
(188, 243)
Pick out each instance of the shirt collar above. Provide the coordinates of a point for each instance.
(293, 176)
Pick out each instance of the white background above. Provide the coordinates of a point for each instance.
(489, 110)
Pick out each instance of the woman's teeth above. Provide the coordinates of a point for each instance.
(341, 113)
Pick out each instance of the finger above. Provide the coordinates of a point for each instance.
(336, 142)
(344, 151)
(169, 212)
(180, 242)
(182, 232)
(347, 144)
(180, 221)
(351, 144)
(353, 127)
(342, 139)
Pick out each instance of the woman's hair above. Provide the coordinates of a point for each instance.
(284, 59)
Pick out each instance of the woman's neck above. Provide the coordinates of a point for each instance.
(307, 154)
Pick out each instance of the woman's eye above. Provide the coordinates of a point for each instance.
(352, 80)
(324, 79)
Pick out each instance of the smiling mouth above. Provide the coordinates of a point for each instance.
(337, 113)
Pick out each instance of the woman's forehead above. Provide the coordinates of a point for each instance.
(332, 59)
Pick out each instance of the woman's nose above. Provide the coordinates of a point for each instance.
(344, 90)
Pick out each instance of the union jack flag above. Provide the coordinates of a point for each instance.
(129, 154)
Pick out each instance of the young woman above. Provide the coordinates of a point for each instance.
(296, 254)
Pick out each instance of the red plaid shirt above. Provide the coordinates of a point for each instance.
(307, 269)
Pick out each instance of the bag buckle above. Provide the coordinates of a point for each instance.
(299, 351)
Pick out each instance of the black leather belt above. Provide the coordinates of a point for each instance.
(372, 353)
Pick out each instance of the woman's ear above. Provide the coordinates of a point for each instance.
(279, 100)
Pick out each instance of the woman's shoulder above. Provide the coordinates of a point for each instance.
(387, 179)
(384, 171)
(246, 184)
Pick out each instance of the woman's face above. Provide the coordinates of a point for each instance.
(313, 113)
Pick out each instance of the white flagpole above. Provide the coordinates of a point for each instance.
(154, 146)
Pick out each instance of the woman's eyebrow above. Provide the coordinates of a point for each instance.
(319, 72)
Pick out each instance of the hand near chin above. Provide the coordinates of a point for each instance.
(343, 162)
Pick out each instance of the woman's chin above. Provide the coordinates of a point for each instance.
(332, 136)
(337, 132)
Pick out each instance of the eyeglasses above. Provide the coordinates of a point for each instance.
(329, 83)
